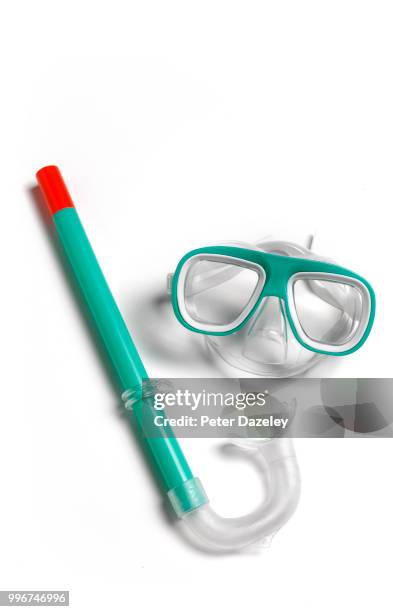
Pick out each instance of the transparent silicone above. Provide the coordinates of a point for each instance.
(277, 465)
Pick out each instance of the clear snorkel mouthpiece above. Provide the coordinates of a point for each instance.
(276, 462)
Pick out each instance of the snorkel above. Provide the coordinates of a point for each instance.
(274, 459)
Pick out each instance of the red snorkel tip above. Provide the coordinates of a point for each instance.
(54, 189)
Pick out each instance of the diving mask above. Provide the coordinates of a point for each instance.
(272, 309)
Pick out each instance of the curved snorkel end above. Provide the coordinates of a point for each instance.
(276, 460)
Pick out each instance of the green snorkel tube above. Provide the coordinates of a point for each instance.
(184, 491)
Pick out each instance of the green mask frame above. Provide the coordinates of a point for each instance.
(282, 277)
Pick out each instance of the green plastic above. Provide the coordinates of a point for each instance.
(164, 449)
(278, 269)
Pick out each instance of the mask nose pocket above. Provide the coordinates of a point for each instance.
(266, 335)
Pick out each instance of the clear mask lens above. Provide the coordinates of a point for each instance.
(329, 312)
(218, 293)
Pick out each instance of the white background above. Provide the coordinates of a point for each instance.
(177, 124)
